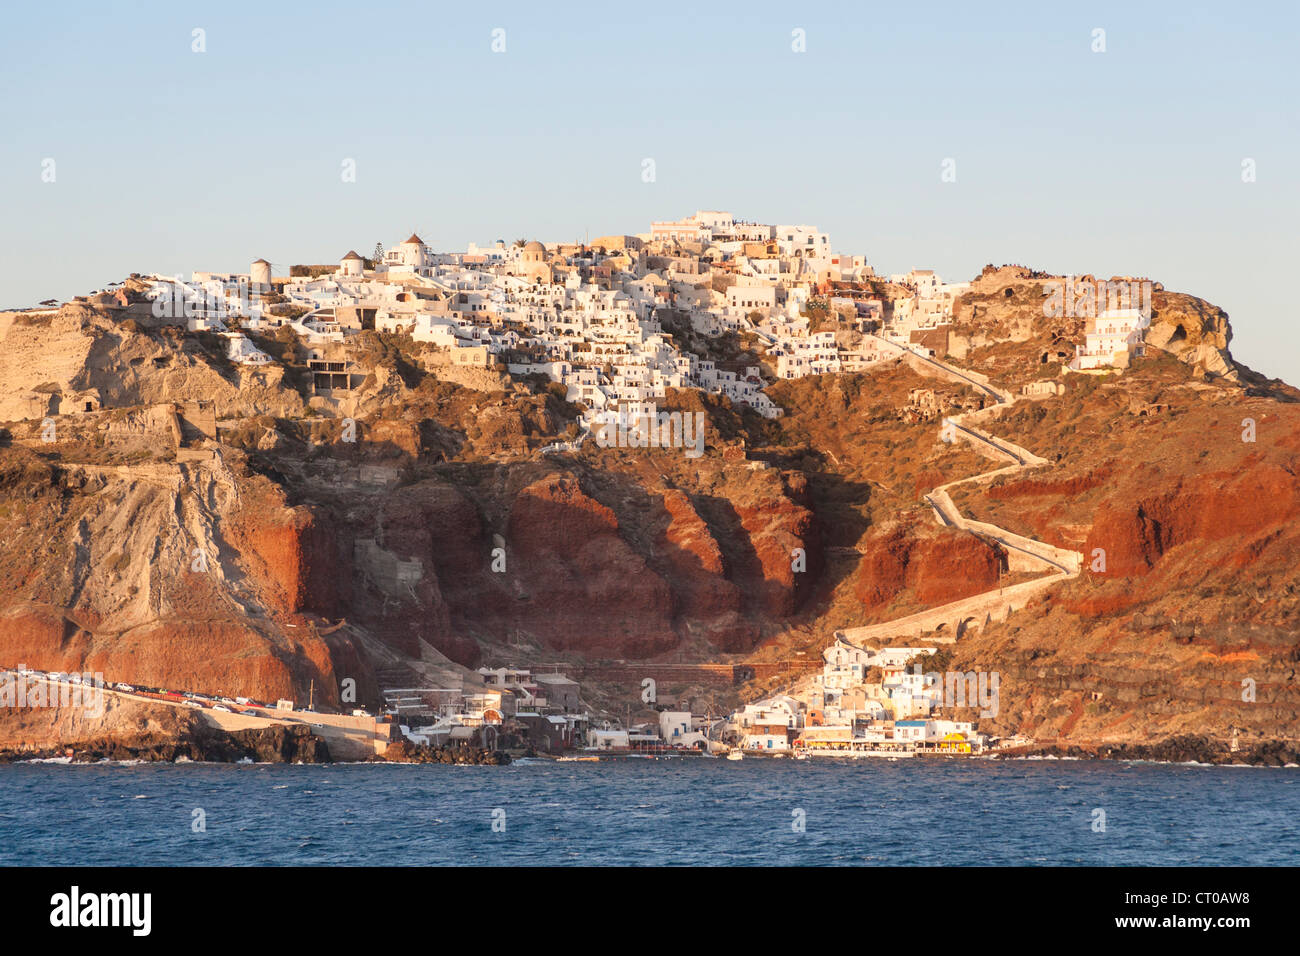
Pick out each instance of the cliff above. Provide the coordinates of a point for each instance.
(1183, 621)
(1013, 317)
(934, 564)
(283, 555)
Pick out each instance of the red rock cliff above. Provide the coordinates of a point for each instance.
(577, 583)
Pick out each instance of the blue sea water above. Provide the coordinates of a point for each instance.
(651, 812)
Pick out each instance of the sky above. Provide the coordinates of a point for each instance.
(1167, 146)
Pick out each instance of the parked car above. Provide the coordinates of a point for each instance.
(126, 688)
(193, 703)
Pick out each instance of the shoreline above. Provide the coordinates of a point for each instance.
(1182, 750)
(501, 759)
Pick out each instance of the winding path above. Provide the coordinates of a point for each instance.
(1023, 554)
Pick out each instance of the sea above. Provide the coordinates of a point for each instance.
(651, 812)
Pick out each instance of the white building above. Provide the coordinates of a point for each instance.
(803, 241)
(675, 730)
(411, 255)
(769, 724)
(608, 739)
(241, 351)
(1111, 339)
(745, 298)
(351, 264)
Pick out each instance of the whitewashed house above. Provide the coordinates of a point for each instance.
(1111, 339)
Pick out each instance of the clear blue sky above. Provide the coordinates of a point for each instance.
(1127, 161)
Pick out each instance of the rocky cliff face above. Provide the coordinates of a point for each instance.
(779, 530)
(1192, 330)
(1013, 306)
(709, 603)
(935, 565)
(265, 565)
(1184, 619)
(285, 556)
(151, 573)
(533, 555)
(578, 584)
(1209, 508)
(133, 730)
(286, 548)
(83, 350)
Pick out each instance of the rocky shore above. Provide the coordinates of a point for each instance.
(403, 751)
(136, 730)
(266, 745)
(199, 744)
(1189, 748)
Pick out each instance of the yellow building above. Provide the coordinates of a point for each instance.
(954, 743)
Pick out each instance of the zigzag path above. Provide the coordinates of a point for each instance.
(1024, 554)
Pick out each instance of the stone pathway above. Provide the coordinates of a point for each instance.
(1024, 554)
